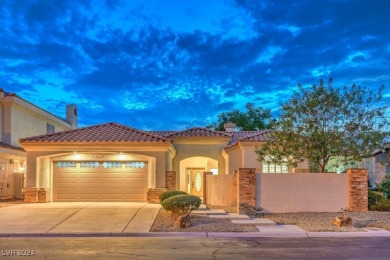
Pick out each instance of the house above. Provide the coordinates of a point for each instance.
(18, 119)
(113, 162)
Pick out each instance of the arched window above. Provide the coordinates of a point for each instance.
(269, 167)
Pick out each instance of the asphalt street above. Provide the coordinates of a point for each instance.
(194, 248)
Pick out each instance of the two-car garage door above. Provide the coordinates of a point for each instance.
(99, 181)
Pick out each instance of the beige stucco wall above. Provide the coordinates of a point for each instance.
(302, 192)
(235, 160)
(21, 119)
(220, 190)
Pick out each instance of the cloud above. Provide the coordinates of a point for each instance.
(164, 65)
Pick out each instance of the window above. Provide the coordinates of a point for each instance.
(89, 164)
(112, 165)
(66, 164)
(135, 165)
(50, 128)
(269, 167)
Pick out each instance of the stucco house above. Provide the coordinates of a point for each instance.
(113, 162)
(19, 118)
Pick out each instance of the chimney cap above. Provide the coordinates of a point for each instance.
(229, 126)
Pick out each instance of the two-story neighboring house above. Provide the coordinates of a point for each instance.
(19, 119)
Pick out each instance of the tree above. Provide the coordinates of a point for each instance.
(254, 119)
(322, 122)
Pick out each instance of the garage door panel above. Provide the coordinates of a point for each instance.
(94, 182)
(112, 186)
(65, 185)
(89, 186)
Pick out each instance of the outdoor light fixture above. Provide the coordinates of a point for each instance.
(122, 156)
(76, 155)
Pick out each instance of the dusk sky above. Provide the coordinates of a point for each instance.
(170, 65)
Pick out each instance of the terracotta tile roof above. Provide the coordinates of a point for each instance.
(11, 147)
(249, 136)
(162, 133)
(108, 132)
(199, 132)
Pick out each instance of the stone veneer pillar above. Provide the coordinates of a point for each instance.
(31, 194)
(42, 195)
(246, 191)
(205, 186)
(154, 194)
(171, 180)
(358, 189)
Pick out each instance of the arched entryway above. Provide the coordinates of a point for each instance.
(191, 173)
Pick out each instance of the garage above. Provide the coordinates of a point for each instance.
(100, 181)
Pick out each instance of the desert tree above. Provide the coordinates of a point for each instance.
(322, 122)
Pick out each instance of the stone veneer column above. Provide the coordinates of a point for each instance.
(171, 180)
(154, 194)
(358, 189)
(31, 194)
(246, 191)
(205, 186)
(42, 197)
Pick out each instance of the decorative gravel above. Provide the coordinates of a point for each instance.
(165, 222)
(309, 221)
(323, 221)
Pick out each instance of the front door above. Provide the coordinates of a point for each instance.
(196, 181)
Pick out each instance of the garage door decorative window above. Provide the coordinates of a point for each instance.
(112, 164)
(66, 164)
(89, 164)
(135, 165)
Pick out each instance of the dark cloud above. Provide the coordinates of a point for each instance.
(120, 61)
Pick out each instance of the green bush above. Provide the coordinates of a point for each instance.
(170, 193)
(378, 202)
(382, 205)
(385, 186)
(181, 204)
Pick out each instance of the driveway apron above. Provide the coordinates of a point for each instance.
(79, 217)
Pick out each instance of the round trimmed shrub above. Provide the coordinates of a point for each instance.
(170, 193)
(180, 204)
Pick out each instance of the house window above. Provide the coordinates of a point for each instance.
(66, 164)
(50, 128)
(135, 165)
(269, 167)
(112, 165)
(89, 164)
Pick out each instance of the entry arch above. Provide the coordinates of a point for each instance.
(192, 165)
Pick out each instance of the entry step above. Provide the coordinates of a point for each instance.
(254, 221)
(229, 216)
(209, 212)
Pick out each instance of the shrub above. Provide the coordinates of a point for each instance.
(385, 186)
(382, 205)
(181, 204)
(378, 202)
(170, 193)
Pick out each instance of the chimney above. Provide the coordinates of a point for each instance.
(72, 115)
(229, 127)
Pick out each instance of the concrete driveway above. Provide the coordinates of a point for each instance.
(78, 217)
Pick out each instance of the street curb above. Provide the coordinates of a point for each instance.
(204, 234)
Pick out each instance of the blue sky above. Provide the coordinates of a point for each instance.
(176, 64)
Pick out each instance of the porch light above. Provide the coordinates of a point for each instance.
(121, 156)
(76, 155)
